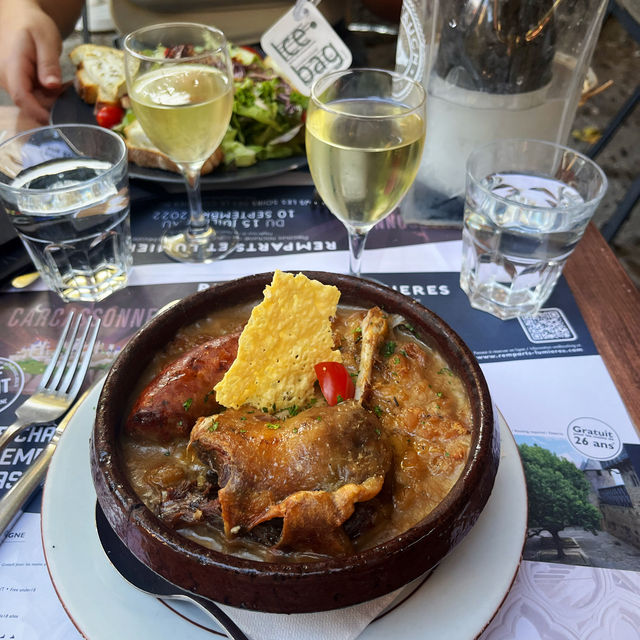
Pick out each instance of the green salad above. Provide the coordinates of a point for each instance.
(268, 113)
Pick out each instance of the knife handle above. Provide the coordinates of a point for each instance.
(29, 482)
(23, 489)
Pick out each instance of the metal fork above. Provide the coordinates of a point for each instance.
(61, 380)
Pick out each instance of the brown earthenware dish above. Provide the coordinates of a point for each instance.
(296, 587)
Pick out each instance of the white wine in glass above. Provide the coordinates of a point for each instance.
(364, 138)
(180, 84)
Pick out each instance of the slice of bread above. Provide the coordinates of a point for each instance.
(143, 152)
(100, 77)
(100, 80)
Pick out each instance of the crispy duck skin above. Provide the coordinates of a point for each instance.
(309, 470)
(183, 391)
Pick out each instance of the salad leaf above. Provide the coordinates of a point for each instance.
(268, 114)
(127, 119)
(235, 153)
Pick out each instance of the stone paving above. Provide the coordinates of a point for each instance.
(586, 549)
(617, 58)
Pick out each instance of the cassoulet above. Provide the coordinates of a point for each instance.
(367, 457)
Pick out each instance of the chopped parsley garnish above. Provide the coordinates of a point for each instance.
(179, 423)
(409, 328)
(213, 426)
(439, 394)
(388, 348)
(243, 417)
(319, 418)
(207, 395)
(293, 410)
(339, 399)
(377, 410)
(445, 370)
(272, 425)
(265, 410)
(404, 353)
(396, 360)
(378, 431)
(295, 429)
(243, 431)
(187, 404)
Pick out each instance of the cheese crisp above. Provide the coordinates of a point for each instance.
(287, 334)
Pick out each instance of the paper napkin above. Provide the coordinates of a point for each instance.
(341, 624)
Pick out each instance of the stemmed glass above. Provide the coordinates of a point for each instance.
(180, 83)
(364, 137)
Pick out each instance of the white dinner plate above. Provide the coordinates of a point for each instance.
(458, 600)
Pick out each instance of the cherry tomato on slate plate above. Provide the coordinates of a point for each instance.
(335, 382)
(109, 116)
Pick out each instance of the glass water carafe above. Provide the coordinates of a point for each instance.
(493, 69)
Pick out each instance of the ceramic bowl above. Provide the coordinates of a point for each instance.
(291, 587)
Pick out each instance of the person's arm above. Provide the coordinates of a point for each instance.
(31, 33)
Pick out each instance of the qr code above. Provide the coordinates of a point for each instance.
(549, 325)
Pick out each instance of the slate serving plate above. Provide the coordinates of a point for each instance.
(69, 109)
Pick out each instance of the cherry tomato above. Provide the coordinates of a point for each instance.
(335, 382)
(109, 116)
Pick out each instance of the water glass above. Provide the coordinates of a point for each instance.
(65, 189)
(527, 205)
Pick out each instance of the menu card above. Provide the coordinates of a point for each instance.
(580, 576)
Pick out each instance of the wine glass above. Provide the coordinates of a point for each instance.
(180, 83)
(364, 137)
